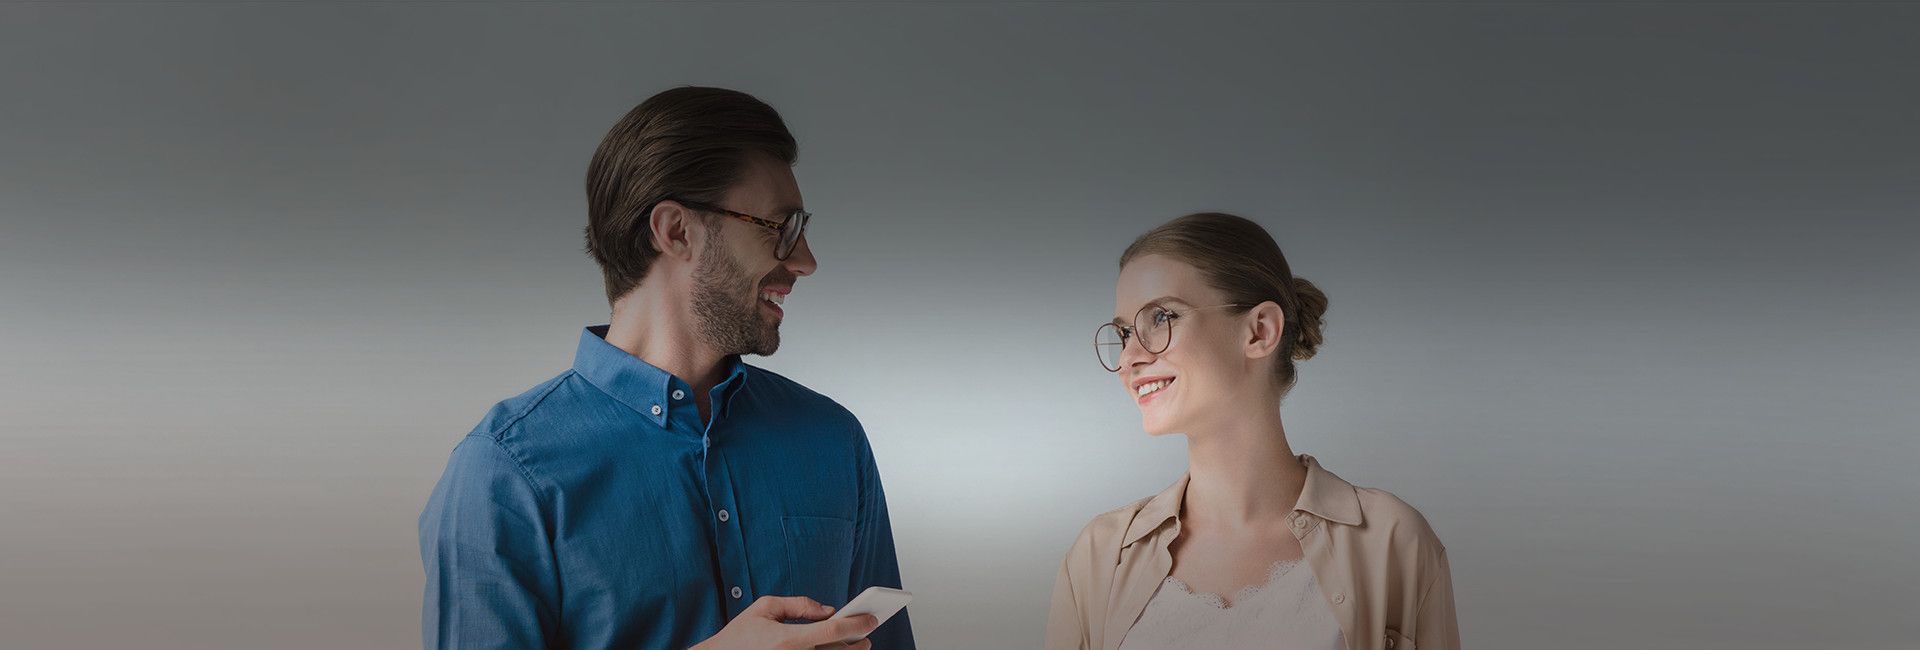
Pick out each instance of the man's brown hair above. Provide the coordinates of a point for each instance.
(687, 144)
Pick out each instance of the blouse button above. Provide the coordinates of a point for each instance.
(1339, 598)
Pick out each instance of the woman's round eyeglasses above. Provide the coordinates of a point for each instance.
(1152, 325)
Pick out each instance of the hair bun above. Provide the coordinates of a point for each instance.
(1312, 308)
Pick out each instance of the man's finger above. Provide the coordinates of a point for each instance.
(832, 631)
(781, 608)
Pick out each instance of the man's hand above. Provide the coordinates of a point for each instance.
(760, 627)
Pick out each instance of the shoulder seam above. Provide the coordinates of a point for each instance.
(1432, 579)
(521, 467)
(497, 432)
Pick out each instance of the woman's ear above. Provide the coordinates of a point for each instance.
(1265, 323)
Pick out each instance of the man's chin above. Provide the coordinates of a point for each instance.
(767, 343)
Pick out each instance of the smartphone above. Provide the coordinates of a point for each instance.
(880, 602)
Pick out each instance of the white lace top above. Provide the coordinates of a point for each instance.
(1286, 612)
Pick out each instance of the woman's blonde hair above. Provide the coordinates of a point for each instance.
(1237, 257)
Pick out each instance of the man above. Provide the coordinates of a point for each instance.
(661, 494)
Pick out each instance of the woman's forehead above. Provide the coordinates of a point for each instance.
(1155, 277)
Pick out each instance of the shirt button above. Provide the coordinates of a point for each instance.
(1299, 522)
(724, 516)
(1389, 643)
(736, 592)
(1339, 598)
(656, 409)
(679, 394)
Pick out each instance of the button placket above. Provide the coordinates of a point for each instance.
(729, 545)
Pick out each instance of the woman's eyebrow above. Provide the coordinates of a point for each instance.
(1162, 300)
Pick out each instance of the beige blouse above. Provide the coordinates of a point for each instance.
(1377, 563)
(1287, 607)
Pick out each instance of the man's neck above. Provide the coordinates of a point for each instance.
(657, 329)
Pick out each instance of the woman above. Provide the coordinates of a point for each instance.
(1254, 547)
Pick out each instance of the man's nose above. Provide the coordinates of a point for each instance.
(801, 260)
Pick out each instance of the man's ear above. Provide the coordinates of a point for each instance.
(1265, 323)
(670, 229)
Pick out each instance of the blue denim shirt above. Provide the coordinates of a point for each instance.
(598, 511)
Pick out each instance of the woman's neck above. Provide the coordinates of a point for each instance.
(1242, 473)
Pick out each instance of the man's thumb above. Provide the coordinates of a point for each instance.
(781, 608)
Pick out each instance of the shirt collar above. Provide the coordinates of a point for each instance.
(1328, 496)
(643, 386)
(1325, 495)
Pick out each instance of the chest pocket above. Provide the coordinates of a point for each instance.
(819, 558)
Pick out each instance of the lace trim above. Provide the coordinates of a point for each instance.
(1274, 572)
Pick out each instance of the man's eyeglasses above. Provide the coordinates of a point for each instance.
(790, 230)
(1153, 325)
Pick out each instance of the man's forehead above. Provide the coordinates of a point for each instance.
(766, 184)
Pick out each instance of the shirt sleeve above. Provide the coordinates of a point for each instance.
(1066, 627)
(874, 560)
(485, 543)
(1437, 627)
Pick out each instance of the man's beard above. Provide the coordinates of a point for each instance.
(725, 324)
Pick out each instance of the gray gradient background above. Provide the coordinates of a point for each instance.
(1623, 297)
